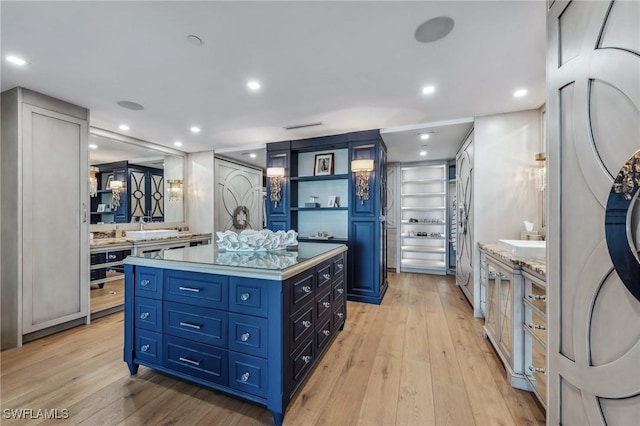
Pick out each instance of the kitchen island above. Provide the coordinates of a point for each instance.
(251, 324)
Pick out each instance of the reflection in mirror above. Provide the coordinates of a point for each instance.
(134, 179)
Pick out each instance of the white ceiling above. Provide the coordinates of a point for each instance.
(350, 65)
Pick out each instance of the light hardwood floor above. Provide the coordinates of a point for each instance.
(417, 359)
(109, 296)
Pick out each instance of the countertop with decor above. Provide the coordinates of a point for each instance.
(535, 264)
(105, 238)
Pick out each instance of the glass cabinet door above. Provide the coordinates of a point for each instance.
(505, 283)
(492, 299)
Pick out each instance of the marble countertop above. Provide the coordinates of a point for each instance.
(535, 264)
(98, 242)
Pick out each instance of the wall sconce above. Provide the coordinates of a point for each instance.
(362, 169)
(116, 187)
(175, 189)
(275, 174)
(93, 181)
(541, 177)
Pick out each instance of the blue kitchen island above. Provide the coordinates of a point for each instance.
(251, 324)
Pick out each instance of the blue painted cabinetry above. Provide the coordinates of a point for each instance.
(361, 224)
(253, 338)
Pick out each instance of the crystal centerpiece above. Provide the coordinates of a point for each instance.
(251, 240)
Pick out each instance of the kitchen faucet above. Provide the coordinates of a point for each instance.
(142, 221)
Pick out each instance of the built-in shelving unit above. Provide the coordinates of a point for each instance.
(423, 221)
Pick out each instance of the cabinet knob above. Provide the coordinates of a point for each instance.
(307, 359)
(144, 315)
(339, 266)
(326, 332)
(112, 256)
(245, 377)
(144, 348)
(341, 290)
(145, 283)
(326, 276)
(306, 289)
(537, 369)
(326, 304)
(306, 324)
(245, 336)
(245, 296)
(535, 326)
(340, 314)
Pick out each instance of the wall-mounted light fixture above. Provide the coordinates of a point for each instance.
(174, 186)
(362, 168)
(116, 187)
(275, 174)
(541, 177)
(93, 181)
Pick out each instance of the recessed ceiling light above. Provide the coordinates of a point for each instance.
(434, 29)
(194, 39)
(253, 85)
(252, 155)
(15, 60)
(195, 129)
(123, 127)
(177, 143)
(131, 105)
(93, 146)
(424, 136)
(423, 153)
(427, 90)
(519, 93)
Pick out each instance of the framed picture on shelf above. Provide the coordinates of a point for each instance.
(109, 180)
(101, 208)
(332, 201)
(323, 165)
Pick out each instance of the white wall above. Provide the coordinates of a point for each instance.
(200, 191)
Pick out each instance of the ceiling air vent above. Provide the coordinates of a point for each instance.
(300, 126)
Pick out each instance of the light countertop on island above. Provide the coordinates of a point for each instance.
(534, 264)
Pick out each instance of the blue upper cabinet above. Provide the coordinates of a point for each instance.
(319, 194)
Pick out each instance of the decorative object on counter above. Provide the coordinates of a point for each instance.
(275, 175)
(313, 202)
(321, 235)
(541, 176)
(251, 240)
(101, 208)
(116, 187)
(623, 245)
(174, 187)
(362, 169)
(261, 259)
(323, 164)
(333, 201)
(241, 217)
(93, 181)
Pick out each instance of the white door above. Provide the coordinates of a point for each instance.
(464, 215)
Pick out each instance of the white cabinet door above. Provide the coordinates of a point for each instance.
(55, 231)
(464, 215)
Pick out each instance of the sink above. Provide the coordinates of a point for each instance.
(152, 233)
(525, 248)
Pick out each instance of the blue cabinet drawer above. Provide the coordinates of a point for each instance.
(323, 334)
(148, 314)
(97, 258)
(323, 304)
(299, 365)
(339, 314)
(248, 334)
(196, 359)
(300, 326)
(338, 288)
(148, 346)
(338, 265)
(249, 296)
(196, 323)
(323, 275)
(248, 374)
(148, 282)
(301, 290)
(195, 288)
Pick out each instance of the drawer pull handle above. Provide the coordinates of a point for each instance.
(144, 348)
(144, 315)
(326, 332)
(537, 297)
(306, 289)
(195, 290)
(188, 324)
(340, 314)
(112, 256)
(340, 266)
(306, 324)
(145, 283)
(245, 296)
(307, 359)
(537, 369)
(534, 326)
(326, 304)
(189, 361)
(340, 290)
(326, 276)
(245, 337)
(245, 377)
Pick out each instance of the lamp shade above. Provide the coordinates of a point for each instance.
(361, 165)
(275, 171)
(116, 184)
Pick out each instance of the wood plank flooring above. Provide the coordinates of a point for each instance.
(417, 359)
(109, 296)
